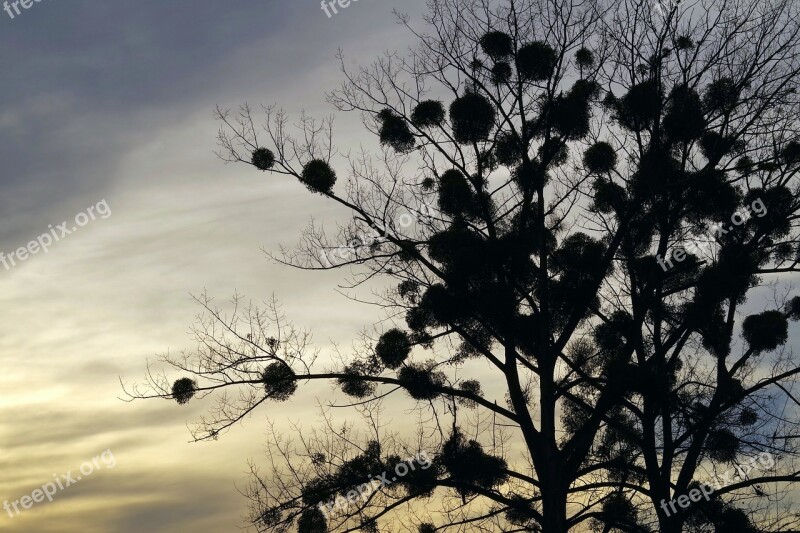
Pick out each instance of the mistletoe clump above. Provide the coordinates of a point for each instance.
(353, 383)
(536, 61)
(497, 45)
(184, 390)
(318, 176)
(765, 331)
(393, 348)
(722, 445)
(428, 113)
(501, 73)
(456, 197)
(468, 465)
(421, 381)
(473, 118)
(263, 159)
(600, 158)
(279, 381)
(394, 132)
(584, 58)
(312, 521)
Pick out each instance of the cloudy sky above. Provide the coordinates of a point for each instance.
(112, 101)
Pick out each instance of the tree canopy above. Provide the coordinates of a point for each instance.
(598, 189)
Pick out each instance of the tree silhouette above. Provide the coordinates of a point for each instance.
(596, 189)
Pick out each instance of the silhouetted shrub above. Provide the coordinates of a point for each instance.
(536, 61)
(554, 151)
(471, 386)
(520, 512)
(473, 118)
(467, 463)
(684, 119)
(420, 381)
(569, 114)
(507, 149)
(497, 45)
(640, 105)
(428, 113)
(721, 95)
(501, 72)
(794, 308)
(776, 220)
(684, 43)
(716, 146)
(748, 417)
(617, 509)
(419, 482)
(353, 385)
(600, 158)
(184, 390)
(765, 331)
(312, 521)
(263, 159)
(722, 445)
(584, 58)
(394, 132)
(456, 197)
(279, 381)
(393, 348)
(271, 517)
(530, 175)
(734, 519)
(791, 153)
(318, 176)
(608, 196)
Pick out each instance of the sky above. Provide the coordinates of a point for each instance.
(108, 105)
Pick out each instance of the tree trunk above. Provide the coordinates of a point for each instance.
(554, 506)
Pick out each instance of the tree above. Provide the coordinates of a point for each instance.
(597, 189)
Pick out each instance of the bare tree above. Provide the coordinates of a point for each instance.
(586, 220)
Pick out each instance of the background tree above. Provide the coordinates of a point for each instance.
(559, 159)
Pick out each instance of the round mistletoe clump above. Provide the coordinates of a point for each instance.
(765, 331)
(722, 445)
(318, 176)
(394, 132)
(263, 159)
(536, 61)
(393, 348)
(312, 521)
(184, 390)
(497, 45)
(507, 149)
(353, 382)
(279, 381)
(421, 381)
(473, 118)
(584, 58)
(428, 113)
(501, 73)
(456, 198)
(600, 158)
